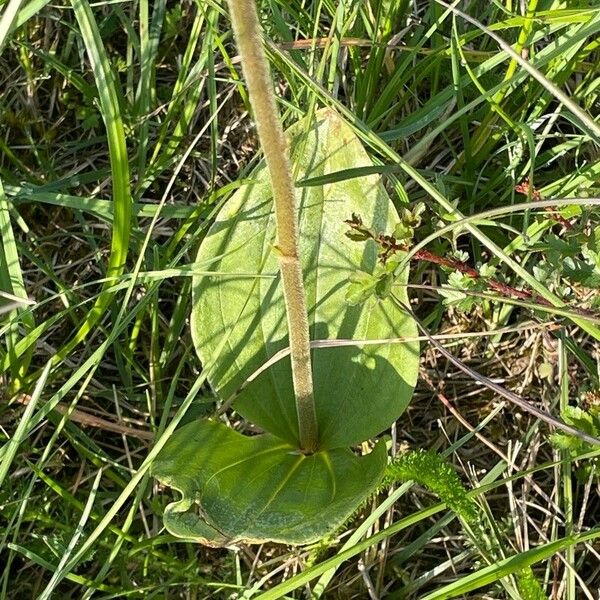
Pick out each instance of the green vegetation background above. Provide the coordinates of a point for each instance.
(124, 126)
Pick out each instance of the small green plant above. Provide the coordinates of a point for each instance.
(280, 275)
(430, 470)
(585, 417)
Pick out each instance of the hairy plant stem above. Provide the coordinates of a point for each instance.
(246, 29)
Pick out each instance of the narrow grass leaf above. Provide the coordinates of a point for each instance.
(11, 447)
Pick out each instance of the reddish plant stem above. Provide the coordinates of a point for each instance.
(502, 288)
(493, 284)
(389, 246)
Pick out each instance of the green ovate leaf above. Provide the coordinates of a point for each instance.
(359, 390)
(237, 488)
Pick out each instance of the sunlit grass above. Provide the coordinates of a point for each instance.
(124, 127)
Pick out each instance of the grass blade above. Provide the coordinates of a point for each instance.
(122, 203)
(11, 280)
(22, 429)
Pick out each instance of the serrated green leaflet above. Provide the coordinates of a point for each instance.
(257, 489)
(359, 391)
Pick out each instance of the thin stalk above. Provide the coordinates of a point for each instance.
(246, 29)
(566, 473)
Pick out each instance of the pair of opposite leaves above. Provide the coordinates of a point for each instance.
(261, 488)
